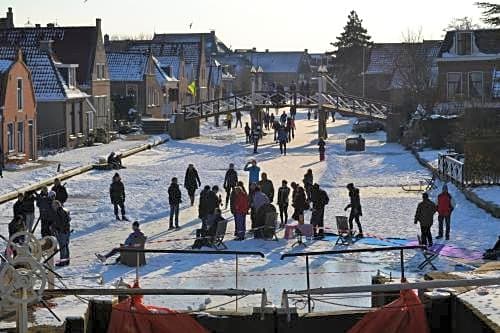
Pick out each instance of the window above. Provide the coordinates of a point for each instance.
(90, 120)
(100, 71)
(454, 85)
(464, 43)
(10, 137)
(476, 86)
(80, 117)
(20, 137)
(20, 97)
(73, 118)
(72, 77)
(132, 92)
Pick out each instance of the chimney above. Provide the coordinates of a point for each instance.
(50, 25)
(106, 39)
(306, 50)
(37, 25)
(254, 49)
(10, 19)
(267, 50)
(98, 24)
(46, 45)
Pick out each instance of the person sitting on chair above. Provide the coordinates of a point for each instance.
(205, 235)
(115, 161)
(135, 237)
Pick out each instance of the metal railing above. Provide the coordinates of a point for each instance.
(51, 140)
(336, 252)
(451, 168)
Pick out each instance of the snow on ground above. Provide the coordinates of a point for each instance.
(488, 193)
(379, 172)
(431, 156)
(46, 166)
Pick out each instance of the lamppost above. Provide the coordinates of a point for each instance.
(322, 133)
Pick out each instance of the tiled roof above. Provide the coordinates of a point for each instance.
(276, 62)
(71, 45)
(383, 58)
(127, 66)
(5, 64)
(46, 79)
(170, 61)
(212, 43)
(161, 76)
(496, 84)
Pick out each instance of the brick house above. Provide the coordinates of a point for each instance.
(468, 66)
(140, 76)
(18, 112)
(82, 46)
(65, 114)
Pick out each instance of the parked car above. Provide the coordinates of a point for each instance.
(367, 126)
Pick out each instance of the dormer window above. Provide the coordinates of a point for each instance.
(464, 43)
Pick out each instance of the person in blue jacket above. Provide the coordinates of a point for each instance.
(254, 172)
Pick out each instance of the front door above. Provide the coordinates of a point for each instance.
(31, 138)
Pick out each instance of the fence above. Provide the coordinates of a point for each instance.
(451, 168)
(51, 140)
(335, 252)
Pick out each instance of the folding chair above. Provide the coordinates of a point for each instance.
(134, 259)
(429, 256)
(303, 230)
(344, 233)
(220, 232)
(270, 226)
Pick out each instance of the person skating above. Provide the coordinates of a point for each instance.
(238, 119)
(61, 228)
(282, 138)
(308, 182)
(44, 203)
(135, 237)
(319, 199)
(425, 215)
(117, 195)
(247, 133)
(321, 149)
(355, 206)
(253, 172)
(445, 206)
(299, 203)
(266, 186)
(174, 200)
(61, 193)
(191, 182)
(230, 181)
(256, 133)
(241, 206)
(229, 120)
(283, 200)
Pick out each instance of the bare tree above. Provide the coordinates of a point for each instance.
(414, 68)
(462, 23)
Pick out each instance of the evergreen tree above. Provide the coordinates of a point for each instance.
(491, 12)
(351, 55)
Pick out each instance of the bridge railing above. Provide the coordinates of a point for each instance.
(451, 168)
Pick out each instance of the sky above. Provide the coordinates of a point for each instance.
(264, 24)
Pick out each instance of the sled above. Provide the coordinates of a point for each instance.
(423, 186)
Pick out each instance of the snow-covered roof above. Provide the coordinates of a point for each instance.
(127, 66)
(160, 74)
(212, 43)
(276, 62)
(383, 58)
(487, 41)
(47, 81)
(5, 65)
(173, 62)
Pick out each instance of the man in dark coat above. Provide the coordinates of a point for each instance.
(355, 206)
(247, 133)
(425, 215)
(203, 204)
(18, 206)
(29, 209)
(62, 229)
(174, 200)
(256, 133)
(191, 182)
(266, 186)
(117, 195)
(230, 181)
(283, 200)
(319, 200)
(44, 203)
(61, 193)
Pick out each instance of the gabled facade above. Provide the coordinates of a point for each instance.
(469, 64)
(140, 76)
(82, 46)
(18, 112)
(281, 67)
